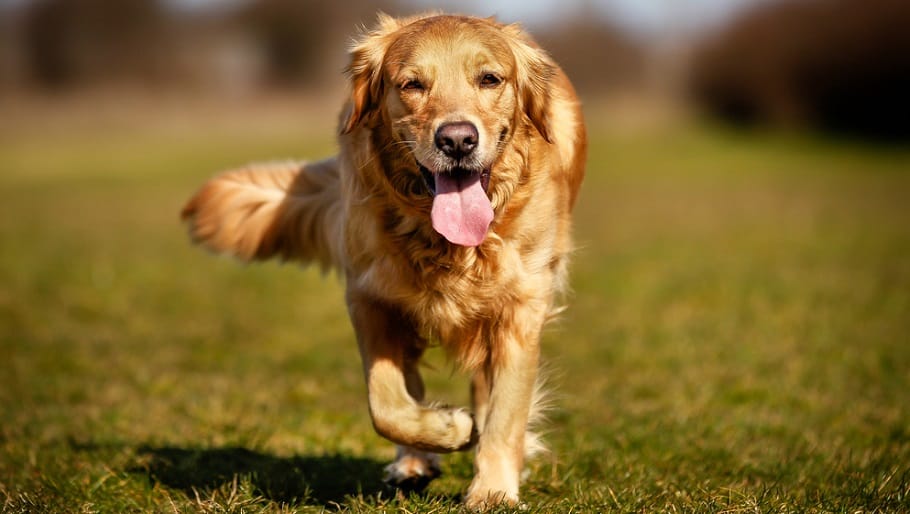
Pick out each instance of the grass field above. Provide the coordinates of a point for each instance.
(738, 339)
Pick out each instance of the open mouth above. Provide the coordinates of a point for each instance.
(459, 175)
(461, 211)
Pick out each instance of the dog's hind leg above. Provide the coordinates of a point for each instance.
(386, 338)
(412, 469)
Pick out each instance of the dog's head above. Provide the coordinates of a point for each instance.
(451, 91)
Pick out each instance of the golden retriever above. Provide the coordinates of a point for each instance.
(447, 211)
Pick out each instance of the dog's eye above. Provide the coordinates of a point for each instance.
(412, 85)
(489, 80)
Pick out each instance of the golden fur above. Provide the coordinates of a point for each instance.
(366, 213)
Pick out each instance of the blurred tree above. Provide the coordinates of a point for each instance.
(70, 41)
(65, 43)
(596, 54)
(298, 37)
(837, 65)
(290, 34)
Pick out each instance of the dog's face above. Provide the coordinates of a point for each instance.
(451, 97)
(451, 92)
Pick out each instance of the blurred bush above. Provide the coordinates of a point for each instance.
(837, 65)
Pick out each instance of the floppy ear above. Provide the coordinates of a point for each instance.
(365, 72)
(535, 70)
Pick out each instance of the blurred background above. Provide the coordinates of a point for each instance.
(839, 66)
(737, 340)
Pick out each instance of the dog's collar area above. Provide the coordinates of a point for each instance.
(429, 178)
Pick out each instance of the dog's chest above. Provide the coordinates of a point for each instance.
(450, 291)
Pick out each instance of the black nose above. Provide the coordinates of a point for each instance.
(456, 139)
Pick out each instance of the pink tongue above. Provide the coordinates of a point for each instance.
(461, 210)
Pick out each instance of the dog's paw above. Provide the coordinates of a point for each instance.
(464, 429)
(485, 499)
(453, 429)
(492, 488)
(412, 469)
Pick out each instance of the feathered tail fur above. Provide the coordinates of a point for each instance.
(289, 210)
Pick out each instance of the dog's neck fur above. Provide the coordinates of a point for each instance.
(456, 294)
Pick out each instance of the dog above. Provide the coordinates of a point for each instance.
(447, 213)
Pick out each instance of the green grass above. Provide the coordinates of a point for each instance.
(737, 339)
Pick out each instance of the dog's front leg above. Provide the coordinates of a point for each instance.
(387, 339)
(480, 396)
(511, 374)
(413, 469)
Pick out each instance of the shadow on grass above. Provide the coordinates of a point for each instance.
(314, 480)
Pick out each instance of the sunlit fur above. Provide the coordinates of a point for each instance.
(271, 210)
(366, 213)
